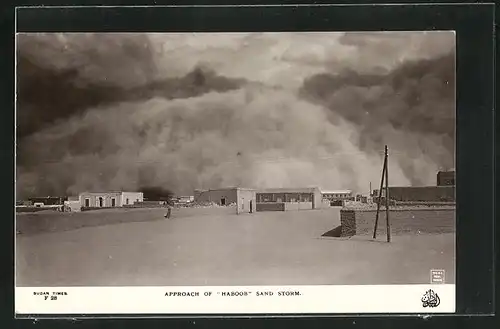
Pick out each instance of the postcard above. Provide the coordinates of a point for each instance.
(235, 173)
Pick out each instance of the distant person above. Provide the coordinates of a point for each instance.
(169, 211)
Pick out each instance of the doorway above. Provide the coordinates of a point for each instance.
(87, 203)
(100, 202)
(113, 202)
(223, 201)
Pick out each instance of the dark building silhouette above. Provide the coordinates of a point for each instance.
(49, 201)
(446, 178)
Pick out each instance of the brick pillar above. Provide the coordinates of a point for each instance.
(348, 222)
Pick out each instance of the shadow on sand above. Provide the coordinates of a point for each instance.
(337, 233)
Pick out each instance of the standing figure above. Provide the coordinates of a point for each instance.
(169, 211)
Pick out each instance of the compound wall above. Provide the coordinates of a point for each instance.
(73, 206)
(421, 193)
(229, 196)
(403, 221)
(129, 198)
(270, 206)
(298, 205)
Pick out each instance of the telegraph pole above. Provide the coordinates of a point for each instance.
(379, 201)
(387, 223)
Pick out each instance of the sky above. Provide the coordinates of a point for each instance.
(184, 111)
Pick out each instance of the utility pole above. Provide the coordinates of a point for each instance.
(388, 226)
(385, 174)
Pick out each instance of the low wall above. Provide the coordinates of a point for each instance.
(403, 221)
(145, 205)
(422, 193)
(73, 206)
(424, 203)
(270, 206)
(337, 203)
(29, 209)
(99, 208)
(298, 206)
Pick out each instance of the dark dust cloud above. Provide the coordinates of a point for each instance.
(179, 112)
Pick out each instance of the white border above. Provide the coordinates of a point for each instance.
(265, 5)
(399, 299)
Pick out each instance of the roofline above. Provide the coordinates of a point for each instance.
(286, 189)
(224, 189)
(86, 192)
(438, 186)
(47, 197)
(264, 190)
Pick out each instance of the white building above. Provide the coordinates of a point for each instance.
(186, 199)
(110, 199)
(337, 195)
(72, 204)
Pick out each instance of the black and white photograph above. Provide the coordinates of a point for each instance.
(235, 159)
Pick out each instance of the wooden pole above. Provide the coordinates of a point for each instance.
(388, 225)
(380, 195)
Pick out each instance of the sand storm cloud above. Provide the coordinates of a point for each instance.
(106, 111)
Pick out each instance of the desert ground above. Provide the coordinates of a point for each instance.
(205, 246)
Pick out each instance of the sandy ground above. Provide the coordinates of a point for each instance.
(203, 247)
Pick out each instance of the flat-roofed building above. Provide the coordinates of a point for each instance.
(419, 193)
(289, 198)
(446, 178)
(243, 198)
(186, 198)
(110, 199)
(49, 200)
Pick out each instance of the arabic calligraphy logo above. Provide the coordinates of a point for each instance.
(430, 299)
